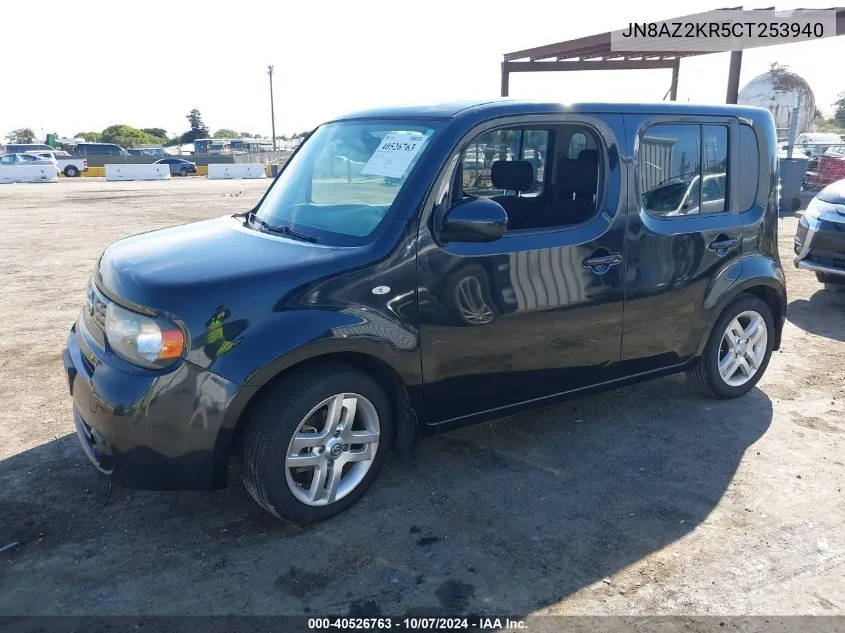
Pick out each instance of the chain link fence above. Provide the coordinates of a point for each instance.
(268, 158)
(826, 164)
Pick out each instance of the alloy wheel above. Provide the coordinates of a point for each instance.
(332, 449)
(743, 348)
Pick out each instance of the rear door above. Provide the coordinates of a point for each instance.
(683, 229)
(539, 311)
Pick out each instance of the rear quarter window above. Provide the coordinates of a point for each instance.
(749, 167)
(683, 169)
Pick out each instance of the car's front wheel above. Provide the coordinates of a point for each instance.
(738, 350)
(315, 442)
(183, 172)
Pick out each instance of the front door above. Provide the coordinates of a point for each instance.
(539, 311)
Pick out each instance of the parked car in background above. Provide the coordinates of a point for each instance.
(22, 148)
(339, 317)
(812, 144)
(147, 152)
(687, 195)
(37, 169)
(48, 156)
(820, 236)
(178, 166)
(825, 169)
(26, 159)
(100, 150)
(70, 166)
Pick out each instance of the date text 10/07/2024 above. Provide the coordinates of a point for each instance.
(415, 624)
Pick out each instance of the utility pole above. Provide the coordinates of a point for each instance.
(272, 107)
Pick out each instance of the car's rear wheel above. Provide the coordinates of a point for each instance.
(316, 442)
(738, 350)
(71, 171)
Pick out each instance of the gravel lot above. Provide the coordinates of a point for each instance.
(646, 500)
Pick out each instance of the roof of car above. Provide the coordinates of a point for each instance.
(507, 106)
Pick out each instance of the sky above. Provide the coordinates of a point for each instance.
(83, 66)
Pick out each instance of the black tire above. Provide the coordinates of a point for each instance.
(275, 418)
(183, 172)
(705, 375)
(71, 171)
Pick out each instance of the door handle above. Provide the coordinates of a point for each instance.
(603, 261)
(723, 245)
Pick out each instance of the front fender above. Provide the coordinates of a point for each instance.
(757, 273)
(291, 337)
(296, 336)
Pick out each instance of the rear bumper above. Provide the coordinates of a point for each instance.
(150, 430)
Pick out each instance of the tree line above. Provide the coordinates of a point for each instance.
(128, 137)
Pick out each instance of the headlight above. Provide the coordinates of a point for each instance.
(142, 340)
(818, 207)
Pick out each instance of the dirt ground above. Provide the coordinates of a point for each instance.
(646, 500)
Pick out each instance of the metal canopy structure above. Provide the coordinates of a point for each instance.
(594, 53)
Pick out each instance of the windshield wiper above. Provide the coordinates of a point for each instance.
(281, 229)
(286, 230)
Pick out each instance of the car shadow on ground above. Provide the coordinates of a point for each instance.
(504, 517)
(822, 314)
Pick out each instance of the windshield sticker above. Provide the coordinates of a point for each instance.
(395, 154)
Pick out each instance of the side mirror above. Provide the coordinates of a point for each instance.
(475, 220)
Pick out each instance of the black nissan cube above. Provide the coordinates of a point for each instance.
(416, 269)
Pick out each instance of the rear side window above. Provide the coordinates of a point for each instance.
(683, 169)
(749, 167)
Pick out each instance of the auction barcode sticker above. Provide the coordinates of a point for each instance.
(394, 155)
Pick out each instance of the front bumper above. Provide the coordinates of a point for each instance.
(820, 268)
(156, 430)
(820, 244)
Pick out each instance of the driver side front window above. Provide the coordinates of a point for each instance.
(542, 177)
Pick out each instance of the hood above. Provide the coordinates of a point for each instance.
(834, 193)
(177, 270)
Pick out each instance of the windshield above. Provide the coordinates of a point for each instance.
(341, 184)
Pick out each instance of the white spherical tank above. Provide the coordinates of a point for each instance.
(778, 91)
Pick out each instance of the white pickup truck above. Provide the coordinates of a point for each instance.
(70, 166)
